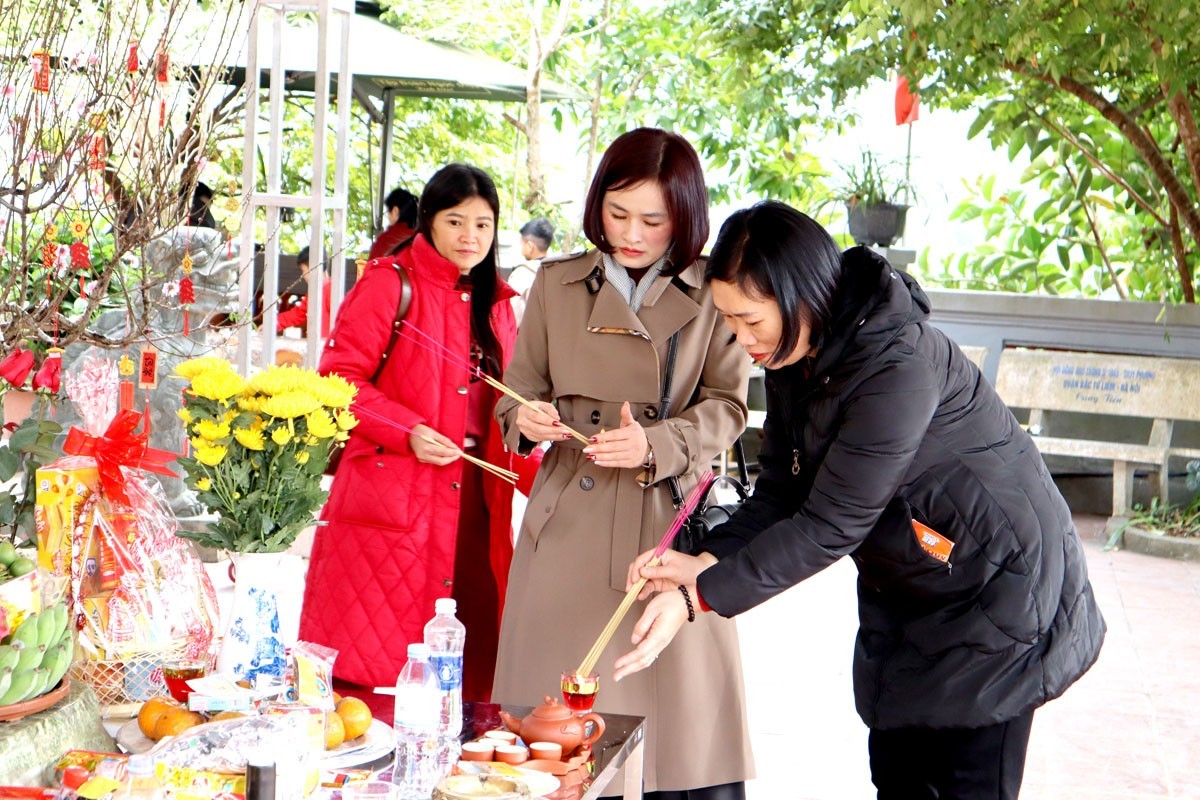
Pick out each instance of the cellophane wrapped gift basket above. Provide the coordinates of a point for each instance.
(137, 592)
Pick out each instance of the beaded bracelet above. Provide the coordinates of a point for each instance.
(687, 598)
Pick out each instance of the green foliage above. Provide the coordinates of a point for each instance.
(27, 448)
(871, 182)
(1093, 78)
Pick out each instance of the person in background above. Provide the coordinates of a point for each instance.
(536, 237)
(401, 211)
(408, 521)
(884, 443)
(592, 355)
(199, 213)
(297, 315)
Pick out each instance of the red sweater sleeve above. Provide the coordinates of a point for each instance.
(355, 348)
(294, 317)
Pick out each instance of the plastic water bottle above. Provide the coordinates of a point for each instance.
(141, 783)
(416, 720)
(445, 636)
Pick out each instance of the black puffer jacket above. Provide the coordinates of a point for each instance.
(893, 423)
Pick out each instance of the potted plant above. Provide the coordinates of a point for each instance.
(873, 200)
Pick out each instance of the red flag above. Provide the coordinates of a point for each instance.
(908, 103)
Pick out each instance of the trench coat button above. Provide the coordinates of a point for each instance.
(454, 485)
(596, 417)
(461, 390)
(465, 296)
(651, 412)
(586, 483)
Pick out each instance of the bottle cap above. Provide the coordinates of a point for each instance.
(418, 650)
(445, 605)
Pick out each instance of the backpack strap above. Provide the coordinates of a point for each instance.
(401, 312)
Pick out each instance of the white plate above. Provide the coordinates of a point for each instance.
(539, 783)
(378, 741)
(131, 739)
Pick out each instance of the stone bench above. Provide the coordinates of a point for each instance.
(1161, 391)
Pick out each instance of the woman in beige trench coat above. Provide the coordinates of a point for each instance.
(591, 351)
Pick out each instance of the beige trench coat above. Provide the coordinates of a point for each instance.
(588, 353)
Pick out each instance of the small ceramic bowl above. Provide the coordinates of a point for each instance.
(546, 750)
(478, 751)
(506, 737)
(512, 754)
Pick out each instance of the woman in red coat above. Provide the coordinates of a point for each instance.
(408, 521)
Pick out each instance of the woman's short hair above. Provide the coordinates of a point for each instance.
(771, 250)
(652, 154)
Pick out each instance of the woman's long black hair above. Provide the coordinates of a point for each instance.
(771, 250)
(451, 185)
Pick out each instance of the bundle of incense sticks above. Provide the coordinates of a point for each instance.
(424, 341)
(689, 505)
(506, 475)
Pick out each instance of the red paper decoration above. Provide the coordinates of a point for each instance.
(187, 290)
(131, 61)
(49, 255)
(41, 71)
(81, 256)
(162, 68)
(97, 152)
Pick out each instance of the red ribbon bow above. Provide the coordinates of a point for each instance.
(119, 447)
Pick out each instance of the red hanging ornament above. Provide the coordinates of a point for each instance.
(162, 69)
(16, 366)
(41, 71)
(97, 152)
(126, 367)
(49, 375)
(187, 290)
(49, 255)
(131, 61)
(81, 256)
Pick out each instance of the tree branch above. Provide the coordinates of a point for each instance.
(1087, 212)
(516, 123)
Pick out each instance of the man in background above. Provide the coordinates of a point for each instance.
(536, 237)
(401, 212)
(297, 315)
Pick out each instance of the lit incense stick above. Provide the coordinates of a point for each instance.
(689, 505)
(500, 472)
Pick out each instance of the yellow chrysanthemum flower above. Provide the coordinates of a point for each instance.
(302, 457)
(280, 379)
(258, 424)
(341, 436)
(250, 439)
(196, 366)
(218, 385)
(204, 484)
(290, 404)
(346, 421)
(281, 436)
(334, 391)
(250, 402)
(184, 415)
(198, 443)
(211, 429)
(321, 425)
(211, 455)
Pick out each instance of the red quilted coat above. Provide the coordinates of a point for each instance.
(387, 549)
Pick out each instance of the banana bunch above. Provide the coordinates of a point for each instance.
(35, 656)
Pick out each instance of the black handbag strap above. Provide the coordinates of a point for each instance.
(398, 323)
(664, 409)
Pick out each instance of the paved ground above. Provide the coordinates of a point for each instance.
(1129, 729)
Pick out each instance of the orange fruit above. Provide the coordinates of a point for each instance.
(335, 731)
(175, 721)
(150, 711)
(356, 716)
(337, 698)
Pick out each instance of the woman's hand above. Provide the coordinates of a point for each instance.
(626, 447)
(440, 451)
(672, 570)
(659, 623)
(542, 425)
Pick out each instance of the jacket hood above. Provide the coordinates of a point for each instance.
(875, 302)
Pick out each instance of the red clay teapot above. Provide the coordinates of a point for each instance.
(551, 722)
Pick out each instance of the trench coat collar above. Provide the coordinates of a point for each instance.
(665, 309)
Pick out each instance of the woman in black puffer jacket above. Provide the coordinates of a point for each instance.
(884, 443)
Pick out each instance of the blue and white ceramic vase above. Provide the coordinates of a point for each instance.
(252, 646)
